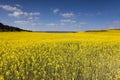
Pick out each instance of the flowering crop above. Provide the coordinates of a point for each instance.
(60, 56)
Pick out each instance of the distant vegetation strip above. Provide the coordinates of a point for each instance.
(96, 31)
(6, 28)
(100, 30)
(57, 31)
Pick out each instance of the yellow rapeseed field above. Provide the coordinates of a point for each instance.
(60, 56)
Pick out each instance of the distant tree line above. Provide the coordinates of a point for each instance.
(96, 31)
(6, 28)
(101, 30)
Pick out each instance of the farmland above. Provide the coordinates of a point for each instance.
(60, 56)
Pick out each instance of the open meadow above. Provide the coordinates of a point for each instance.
(60, 56)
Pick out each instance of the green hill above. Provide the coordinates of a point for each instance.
(6, 28)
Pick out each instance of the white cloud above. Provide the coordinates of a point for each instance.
(77, 26)
(24, 18)
(21, 22)
(34, 14)
(67, 15)
(9, 8)
(31, 18)
(90, 14)
(17, 5)
(83, 23)
(114, 24)
(67, 21)
(55, 11)
(80, 25)
(27, 23)
(51, 24)
(16, 12)
(23, 14)
(62, 24)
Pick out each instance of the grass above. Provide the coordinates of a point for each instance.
(56, 56)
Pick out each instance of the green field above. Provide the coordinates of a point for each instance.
(60, 56)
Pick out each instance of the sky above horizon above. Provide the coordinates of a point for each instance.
(60, 15)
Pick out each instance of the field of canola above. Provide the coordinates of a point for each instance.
(60, 56)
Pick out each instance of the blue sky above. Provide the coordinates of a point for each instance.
(61, 15)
